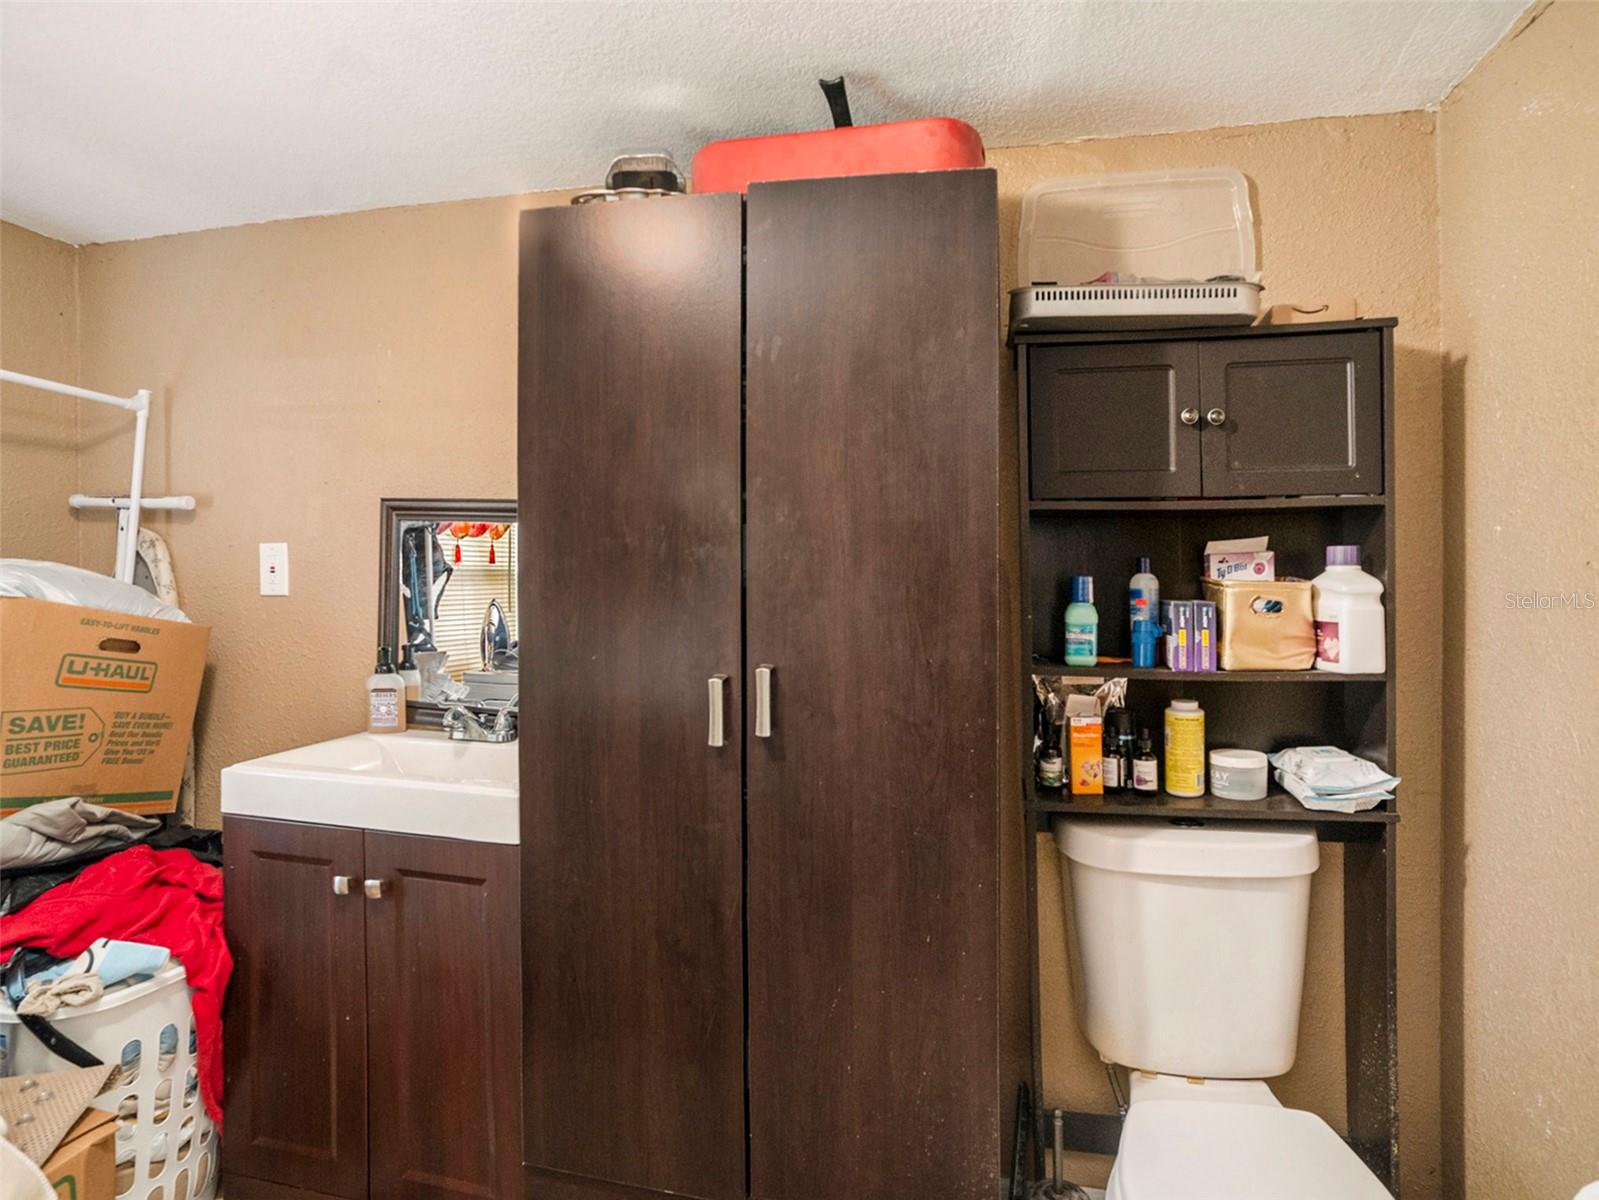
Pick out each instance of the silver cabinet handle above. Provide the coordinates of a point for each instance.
(374, 888)
(1190, 416)
(717, 684)
(341, 885)
(1216, 416)
(763, 700)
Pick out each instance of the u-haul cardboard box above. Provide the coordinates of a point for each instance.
(84, 1166)
(96, 704)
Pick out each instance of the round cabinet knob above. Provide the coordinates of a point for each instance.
(1215, 416)
(1189, 416)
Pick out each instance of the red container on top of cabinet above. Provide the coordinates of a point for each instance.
(929, 144)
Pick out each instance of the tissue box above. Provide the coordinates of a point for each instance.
(1245, 558)
(1264, 626)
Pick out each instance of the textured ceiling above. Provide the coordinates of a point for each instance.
(126, 120)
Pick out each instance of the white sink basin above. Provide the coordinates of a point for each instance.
(414, 782)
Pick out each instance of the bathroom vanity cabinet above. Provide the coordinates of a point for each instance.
(1153, 442)
(761, 526)
(374, 1018)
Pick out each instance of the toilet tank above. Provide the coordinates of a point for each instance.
(1190, 942)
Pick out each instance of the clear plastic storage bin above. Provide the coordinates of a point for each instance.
(1193, 229)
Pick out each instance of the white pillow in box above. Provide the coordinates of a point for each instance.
(61, 584)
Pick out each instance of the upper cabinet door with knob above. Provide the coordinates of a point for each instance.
(1295, 415)
(1114, 420)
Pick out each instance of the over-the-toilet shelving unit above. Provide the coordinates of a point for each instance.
(1182, 419)
(127, 507)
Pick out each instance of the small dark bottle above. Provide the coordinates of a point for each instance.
(1110, 762)
(1146, 768)
(1121, 727)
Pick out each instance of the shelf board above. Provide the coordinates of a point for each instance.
(1237, 504)
(1066, 337)
(1277, 806)
(1055, 670)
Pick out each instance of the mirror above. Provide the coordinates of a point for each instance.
(447, 590)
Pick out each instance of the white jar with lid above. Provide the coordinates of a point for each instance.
(1238, 774)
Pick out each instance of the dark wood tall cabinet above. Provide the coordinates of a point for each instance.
(759, 481)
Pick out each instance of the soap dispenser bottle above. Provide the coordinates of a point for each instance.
(385, 697)
(411, 675)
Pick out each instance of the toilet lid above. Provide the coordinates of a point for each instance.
(1197, 1150)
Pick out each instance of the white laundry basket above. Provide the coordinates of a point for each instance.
(166, 1142)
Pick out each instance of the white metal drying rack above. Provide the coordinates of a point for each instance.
(128, 507)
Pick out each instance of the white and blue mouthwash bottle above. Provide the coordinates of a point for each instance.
(1082, 624)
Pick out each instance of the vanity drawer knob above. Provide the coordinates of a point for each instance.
(375, 888)
(341, 885)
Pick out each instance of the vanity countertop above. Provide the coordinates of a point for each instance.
(417, 782)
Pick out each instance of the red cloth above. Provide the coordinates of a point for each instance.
(162, 897)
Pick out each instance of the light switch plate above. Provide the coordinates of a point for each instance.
(274, 568)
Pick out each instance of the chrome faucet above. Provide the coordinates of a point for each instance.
(464, 726)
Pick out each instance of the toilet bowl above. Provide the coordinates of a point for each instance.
(1230, 1140)
(1188, 965)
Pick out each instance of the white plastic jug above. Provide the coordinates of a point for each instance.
(1347, 605)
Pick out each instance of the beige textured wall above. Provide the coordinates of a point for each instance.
(1344, 207)
(303, 368)
(1519, 198)
(38, 431)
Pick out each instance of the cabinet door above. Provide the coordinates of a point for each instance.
(444, 1019)
(1113, 420)
(630, 592)
(295, 1051)
(872, 534)
(1296, 415)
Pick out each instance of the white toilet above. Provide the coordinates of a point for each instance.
(1190, 960)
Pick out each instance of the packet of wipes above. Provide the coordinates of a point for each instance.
(1326, 777)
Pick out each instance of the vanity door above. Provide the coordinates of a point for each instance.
(630, 735)
(295, 1052)
(444, 1018)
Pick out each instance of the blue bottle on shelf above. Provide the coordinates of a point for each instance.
(1146, 642)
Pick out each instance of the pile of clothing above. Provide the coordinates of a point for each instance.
(117, 920)
(40, 985)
